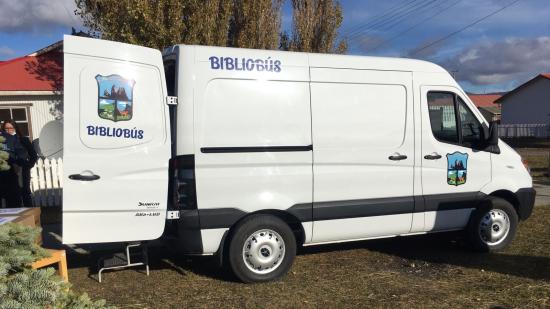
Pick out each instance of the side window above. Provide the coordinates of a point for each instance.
(442, 116)
(470, 127)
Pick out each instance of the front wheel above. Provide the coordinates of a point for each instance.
(493, 226)
(261, 249)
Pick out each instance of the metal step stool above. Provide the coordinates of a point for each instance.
(124, 260)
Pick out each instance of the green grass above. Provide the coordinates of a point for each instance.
(429, 271)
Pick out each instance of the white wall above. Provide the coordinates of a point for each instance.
(44, 108)
(529, 105)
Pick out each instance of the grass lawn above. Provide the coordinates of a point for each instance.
(434, 271)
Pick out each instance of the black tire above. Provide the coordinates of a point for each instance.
(492, 211)
(246, 229)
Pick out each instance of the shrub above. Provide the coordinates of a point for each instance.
(24, 287)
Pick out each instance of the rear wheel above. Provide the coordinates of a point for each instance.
(493, 226)
(261, 249)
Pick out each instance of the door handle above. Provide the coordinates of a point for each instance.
(397, 157)
(433, 156)
(84, 177)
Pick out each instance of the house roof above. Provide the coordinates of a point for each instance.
(536, 78)
(41, 72)
(491, 109)
(484, 100)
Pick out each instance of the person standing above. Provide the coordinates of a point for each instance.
(9, 184)
(26, 159)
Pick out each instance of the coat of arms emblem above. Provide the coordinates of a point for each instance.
(457, 165)
(115, 97)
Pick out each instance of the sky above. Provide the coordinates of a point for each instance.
(487, 55)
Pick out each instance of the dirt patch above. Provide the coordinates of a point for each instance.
(413, 272)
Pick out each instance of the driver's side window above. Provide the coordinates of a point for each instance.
(452, 121)
(470, 126)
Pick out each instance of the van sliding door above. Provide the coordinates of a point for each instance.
(363, 137)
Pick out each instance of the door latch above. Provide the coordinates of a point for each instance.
(170, 100)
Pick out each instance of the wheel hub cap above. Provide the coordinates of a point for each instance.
(494, 227)
(263, 251)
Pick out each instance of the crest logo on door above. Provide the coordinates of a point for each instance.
(115, 97)
(457, 165)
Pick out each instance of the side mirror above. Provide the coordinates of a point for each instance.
(492, 138)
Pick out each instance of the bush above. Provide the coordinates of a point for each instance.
(24, 287)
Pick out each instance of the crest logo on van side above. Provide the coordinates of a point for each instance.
(115, 97)
(457, 165)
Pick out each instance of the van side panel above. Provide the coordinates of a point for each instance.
(252, 136)
(363, 136)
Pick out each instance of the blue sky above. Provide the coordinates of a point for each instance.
(496, 54)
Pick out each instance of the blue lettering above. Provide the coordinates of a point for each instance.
(245, 64)
(237, 64)
(250, 65)
(91, 130)
(277, 66)
(214, 63)
(229, 64)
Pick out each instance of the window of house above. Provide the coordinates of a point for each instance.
(20, 115)
(464, 130)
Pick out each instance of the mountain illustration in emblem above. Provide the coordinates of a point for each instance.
(115, 97)
(457, 168)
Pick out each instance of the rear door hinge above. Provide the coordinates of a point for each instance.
(171, 100)
(172, 215)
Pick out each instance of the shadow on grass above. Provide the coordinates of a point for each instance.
(437, 250)
(160, 257)
(449, 249)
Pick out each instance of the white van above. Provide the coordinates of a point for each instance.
(264, 151)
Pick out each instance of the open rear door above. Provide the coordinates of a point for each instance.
(116, 142)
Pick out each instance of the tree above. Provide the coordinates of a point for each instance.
(23, 287)
(236, 23)
(256, 24)
(157, 23)
(315, 27)
(206, 22)
(3, 156)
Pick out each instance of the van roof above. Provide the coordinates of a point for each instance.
(332, 60)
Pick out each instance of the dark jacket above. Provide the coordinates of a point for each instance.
(28, 156)
(12, 145)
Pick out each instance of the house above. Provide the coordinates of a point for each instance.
(31, 89)
(487, 106)
(529, 103)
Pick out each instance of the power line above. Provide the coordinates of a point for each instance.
(396, 20)
(385, 42)
(464, 28)
(376, 18)
(385, 17)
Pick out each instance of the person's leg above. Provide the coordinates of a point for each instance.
(3, 179)
(26, 194)
(12, 192)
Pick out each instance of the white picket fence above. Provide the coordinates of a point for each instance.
(47, 182)
(524, 130)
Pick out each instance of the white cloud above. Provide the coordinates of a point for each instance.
(511, 60)
(36, 15)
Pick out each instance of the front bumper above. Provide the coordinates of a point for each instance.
(526, 199)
